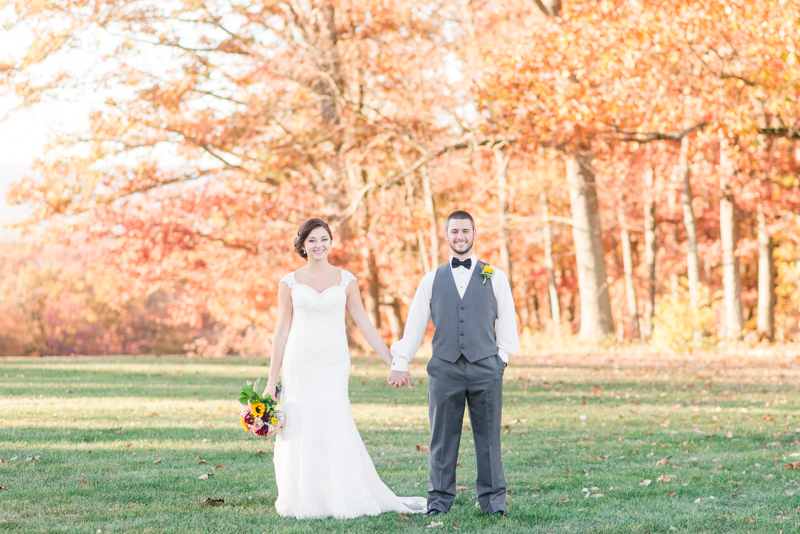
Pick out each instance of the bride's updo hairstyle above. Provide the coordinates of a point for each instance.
(302, 234)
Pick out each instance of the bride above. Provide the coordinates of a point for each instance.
(321, 465)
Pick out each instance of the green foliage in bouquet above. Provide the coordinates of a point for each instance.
(250, 396)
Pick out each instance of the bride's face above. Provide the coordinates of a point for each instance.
(318, 244)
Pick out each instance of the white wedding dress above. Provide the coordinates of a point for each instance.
(321, 465)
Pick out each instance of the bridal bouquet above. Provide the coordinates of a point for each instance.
(260, 416)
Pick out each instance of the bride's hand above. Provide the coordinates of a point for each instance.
(270, 390)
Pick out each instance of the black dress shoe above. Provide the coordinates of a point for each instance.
(500, 513)
(432, 512)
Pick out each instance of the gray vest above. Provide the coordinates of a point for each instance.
(463, 326)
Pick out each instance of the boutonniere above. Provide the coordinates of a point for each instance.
(487, 271)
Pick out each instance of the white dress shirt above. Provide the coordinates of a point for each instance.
(419, 315)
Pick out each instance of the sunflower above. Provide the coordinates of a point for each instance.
(257, 409)
(244, 425)
(273, 421)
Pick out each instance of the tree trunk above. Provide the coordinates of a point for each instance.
(327, 86)
(674, 241)
(649, 251)
(692, 259)
(731, 277)
(552, 288)
(393, 314)
(430, 208)
(372, 301)
(627, 265)
(423, 253)
(596, 319)
(766, 278)
(501, 158)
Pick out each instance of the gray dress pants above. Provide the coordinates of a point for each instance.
(480, 385)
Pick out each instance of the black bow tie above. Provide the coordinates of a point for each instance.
(459, 263)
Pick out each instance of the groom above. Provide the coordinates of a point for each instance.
(475, 333)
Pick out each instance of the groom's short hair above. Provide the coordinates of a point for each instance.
(460, 215)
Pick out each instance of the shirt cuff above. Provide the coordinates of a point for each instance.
(399, 364)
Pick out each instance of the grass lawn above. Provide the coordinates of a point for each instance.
(119, 444)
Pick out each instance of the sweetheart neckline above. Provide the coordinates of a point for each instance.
(314, 290)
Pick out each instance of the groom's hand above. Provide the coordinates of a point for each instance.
(399, 379)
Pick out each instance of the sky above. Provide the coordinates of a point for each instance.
(21, 139)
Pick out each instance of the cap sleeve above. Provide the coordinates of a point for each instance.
(347, 277)
(289, 279)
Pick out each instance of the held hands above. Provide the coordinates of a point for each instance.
(399, 379)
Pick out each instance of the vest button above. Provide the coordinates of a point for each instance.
(461, 308)
(461, 320)
(462, 333)
(462, 347)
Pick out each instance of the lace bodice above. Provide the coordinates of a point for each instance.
(317, 316)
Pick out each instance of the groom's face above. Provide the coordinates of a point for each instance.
(460, 235)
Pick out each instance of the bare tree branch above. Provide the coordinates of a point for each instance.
(647, 137)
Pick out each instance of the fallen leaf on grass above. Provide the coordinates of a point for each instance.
(749, 520)
(455, 527)
(458, 464)
(156, 461)
(82, 483)
(2, 488)
(32, 459)
(134, 504)
(202, 462)
(671, 493)
(259, 452)
(664, 461)
(219, 467)
(212, 501)
(402, 516)
(662, 478)
(569, 470)
(795, 454)
(435, 524)
(128, 446)
(645, 482)
(72, 515)
(461, 487)
(793, 465)
(424, 448)
(205, 477)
